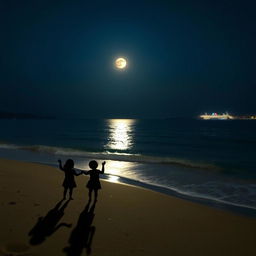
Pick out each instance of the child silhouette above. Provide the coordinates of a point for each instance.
(69, 180)
(94, 181)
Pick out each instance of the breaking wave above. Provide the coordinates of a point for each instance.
(61, 151)
(216, 192)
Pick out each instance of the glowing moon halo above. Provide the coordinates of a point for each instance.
(120, 63)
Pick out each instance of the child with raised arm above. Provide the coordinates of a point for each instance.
(69, 180)
(94, 181)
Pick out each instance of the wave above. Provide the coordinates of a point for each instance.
(215, 193)
(71, 152)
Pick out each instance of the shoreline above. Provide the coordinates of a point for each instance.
(49, 159)
(211, 202)
(126, 220)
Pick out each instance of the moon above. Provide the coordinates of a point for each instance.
(120, 63)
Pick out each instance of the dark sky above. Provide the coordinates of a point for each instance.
(185, 57)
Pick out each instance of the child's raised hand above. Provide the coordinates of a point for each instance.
(104, 163)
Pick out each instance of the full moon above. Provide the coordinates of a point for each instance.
(120, 63)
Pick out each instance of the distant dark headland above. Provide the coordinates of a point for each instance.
(10, 115)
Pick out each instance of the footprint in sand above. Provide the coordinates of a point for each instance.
(15, 249)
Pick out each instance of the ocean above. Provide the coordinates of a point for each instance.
(203, 160)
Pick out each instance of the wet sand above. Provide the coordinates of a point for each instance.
(125, 220)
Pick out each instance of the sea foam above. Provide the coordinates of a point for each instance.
(61, 151)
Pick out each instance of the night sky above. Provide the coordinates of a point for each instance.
(185, 57)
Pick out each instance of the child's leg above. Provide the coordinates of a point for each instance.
(70, 193)
(90, 193)
(65, 192)
(95, 194)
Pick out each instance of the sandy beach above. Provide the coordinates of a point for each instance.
(125, 220)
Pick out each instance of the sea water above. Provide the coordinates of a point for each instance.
(212, 160)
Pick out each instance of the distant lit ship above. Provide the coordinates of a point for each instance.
(215, 116)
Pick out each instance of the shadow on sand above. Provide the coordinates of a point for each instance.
(82, 235)
(47, 225)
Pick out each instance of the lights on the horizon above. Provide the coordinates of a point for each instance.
(224, 116)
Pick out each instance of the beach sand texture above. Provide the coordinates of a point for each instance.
(126, 220)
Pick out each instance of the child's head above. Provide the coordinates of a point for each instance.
(69, 164)
(93, 164)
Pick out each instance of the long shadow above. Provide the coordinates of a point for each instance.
(47, 225)
(82, 235)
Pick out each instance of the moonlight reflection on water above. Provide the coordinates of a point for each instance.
(121, 134)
